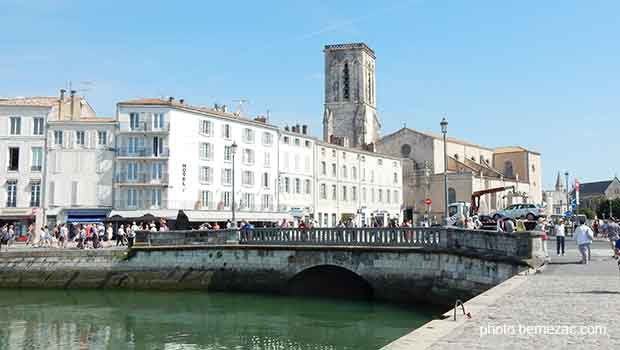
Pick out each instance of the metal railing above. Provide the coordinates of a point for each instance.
(125, 151)
(146, 127)
(141, 178)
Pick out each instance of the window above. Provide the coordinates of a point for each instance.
(372, 176)
(296, 142)
(13, 159)
(266, 202)
(307, 188)
(323, 151)
(323, 190)
(334, 169)
(248, 156)
(227, 153)
(157, 171)
(396, 200)
(451, 195)
(226, 131)
(323, 168)
(80, 138)
(132, 198)
(15, 125)
(354, 173)
(155, 198)
(75, 192)
(334, 153)
(226, 176)
(132, 171)
(344, 171)
(102, 137)
(380, 195)
(265, 180)
(344, 193)
(158, 146)
(134, 121)
(132, 145)
(58, 137)
(37, 159)
(364, 194)
(334, 193)
(248, 135)
(267, 139)
(372, 195)
(296, 161)
(297, 185)
(334, 223)
(307, 143)
(353, 193)
(405, 150)
(158, 121)
(287, 185)
(267, 160)
(206, 127)
(379, 161)
(205, 199)
(286, 140)
(395, 178)
(206, 151)
(206, 174)
(11, 194)
(37, 126)
(388, 197)
(363, 174)
(248, 201)
(344, 155)
(345, 81)
(508, 169)
(247, 178)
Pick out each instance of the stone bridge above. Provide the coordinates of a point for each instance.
(412, 265)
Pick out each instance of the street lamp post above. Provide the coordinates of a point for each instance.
(444, 131)
(568, 208)
(233, 151)
(610, 212)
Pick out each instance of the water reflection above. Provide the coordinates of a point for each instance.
(53, 319)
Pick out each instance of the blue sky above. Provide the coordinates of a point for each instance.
(540, 74)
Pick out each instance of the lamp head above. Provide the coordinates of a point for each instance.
(233, 147)
(444, 125)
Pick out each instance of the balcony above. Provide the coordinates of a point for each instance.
(143, 128)
(36, 168)
(145, 179)
(145, 152)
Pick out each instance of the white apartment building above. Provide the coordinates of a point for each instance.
(80, 154)
(173, 156)
(22, 144)
(296, 171)
(40, 182)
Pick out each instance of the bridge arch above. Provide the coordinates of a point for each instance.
(330, 281)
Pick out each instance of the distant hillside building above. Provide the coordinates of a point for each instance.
(556, 201)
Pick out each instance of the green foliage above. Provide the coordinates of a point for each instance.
(589, 213)
(603, 208)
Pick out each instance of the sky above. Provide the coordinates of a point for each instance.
(540, 74)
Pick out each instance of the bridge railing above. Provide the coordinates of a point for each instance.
(414, 236)
(519, 244)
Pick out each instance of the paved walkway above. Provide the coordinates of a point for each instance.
(536, 311)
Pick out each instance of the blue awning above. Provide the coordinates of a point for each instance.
(88, 212)
(85, 219)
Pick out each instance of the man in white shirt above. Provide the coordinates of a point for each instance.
(560, 236)
(583, 237)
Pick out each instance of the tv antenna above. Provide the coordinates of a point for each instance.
(240, 103)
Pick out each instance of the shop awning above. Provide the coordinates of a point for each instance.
(85, 219)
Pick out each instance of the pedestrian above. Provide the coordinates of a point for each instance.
(109, 232)
(11, 236)
(131, 236)
(583, 237)
(542, 227)
(4, 237)
(613, 235)
(63, 235)
(30, 237)
(120, 236)
(509, 225)
(560, 236)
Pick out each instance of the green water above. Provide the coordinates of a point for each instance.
(58, 319)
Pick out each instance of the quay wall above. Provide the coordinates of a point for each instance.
(393, 274)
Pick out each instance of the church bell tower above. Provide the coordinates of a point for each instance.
(350, 102)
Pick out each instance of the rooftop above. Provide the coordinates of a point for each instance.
(36, 101)
(438, 137)
(513, 149)
(349, 46)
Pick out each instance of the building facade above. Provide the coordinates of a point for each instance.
(556, 201)
(592, 195)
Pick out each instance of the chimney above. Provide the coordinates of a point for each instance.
(170, 99)
(75, 106)
(181, 101)
(261, 119)
(225, 108)
(216, 107)
(61, 104)
(304, 129)
(286, 128)
(298, 128)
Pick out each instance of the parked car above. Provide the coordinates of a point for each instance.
(517, 211)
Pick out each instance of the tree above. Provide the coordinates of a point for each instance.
(589, 213)
(603, 208)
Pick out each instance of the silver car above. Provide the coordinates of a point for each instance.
(517, 211)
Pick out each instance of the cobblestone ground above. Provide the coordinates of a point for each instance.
(565, 294)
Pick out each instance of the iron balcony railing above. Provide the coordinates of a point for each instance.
(147, 127)
(125, 151)
(141, 178)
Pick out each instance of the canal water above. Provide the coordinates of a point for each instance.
(79, 319)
